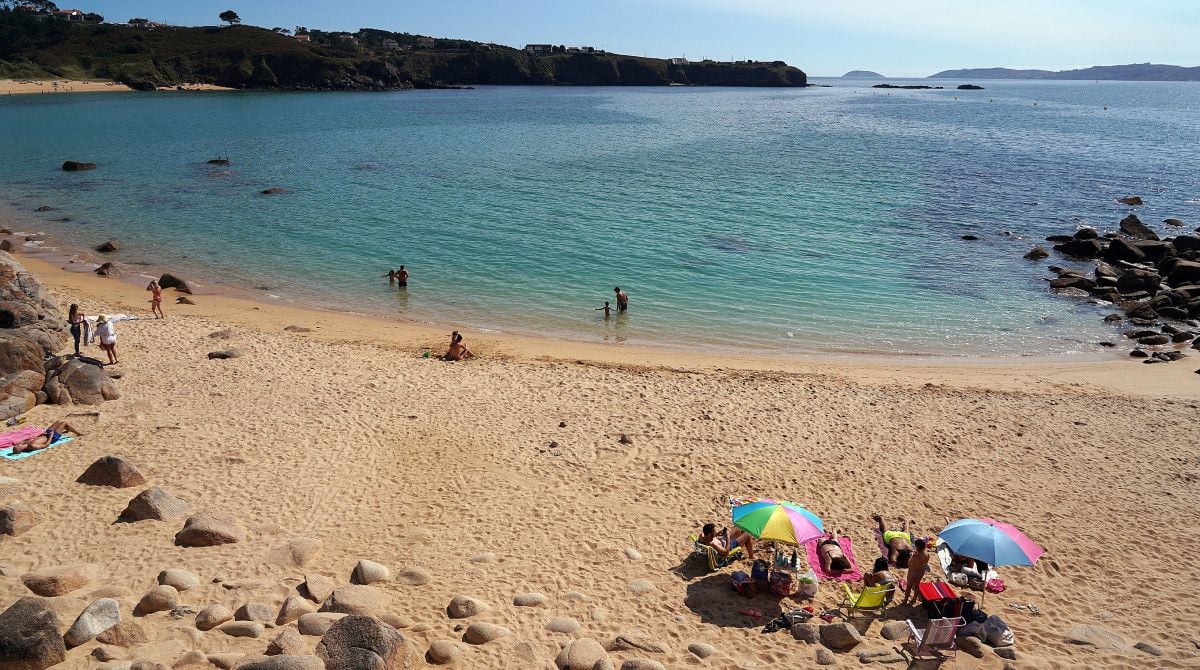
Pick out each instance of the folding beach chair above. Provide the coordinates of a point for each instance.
(937, 637)
(872, 599)
(714, 558)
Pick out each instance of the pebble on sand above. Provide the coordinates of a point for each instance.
(212, 616)
(482, 632)
(463, 607)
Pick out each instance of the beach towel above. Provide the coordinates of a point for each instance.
(7, 451)
(944, 556)
(883, 548)
(854, 574)
(19, 435)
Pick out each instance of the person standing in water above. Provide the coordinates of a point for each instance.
(622, 299)
(402, 277)
(79, 325)
(156, 299)
(391, 275)
(606, 308)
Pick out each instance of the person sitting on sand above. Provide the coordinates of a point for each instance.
(879, 574)
(898, 542)
(833, 559)
(48, 437)
(155, 299)
(918, 565)
(108, 338)
(457, 351)
(606, 309)
(724, 542)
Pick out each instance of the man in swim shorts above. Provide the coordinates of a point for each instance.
(724, 542)
(402, 277)
(898, 542)
(622, 299)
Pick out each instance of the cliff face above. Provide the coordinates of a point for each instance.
(248, 57)
(1133, 72)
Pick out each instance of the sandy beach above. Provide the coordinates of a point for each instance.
(23, 86)
(506, 475)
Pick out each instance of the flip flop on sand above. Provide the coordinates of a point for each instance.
(752, 613)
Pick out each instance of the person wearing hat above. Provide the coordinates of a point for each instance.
(108, 338)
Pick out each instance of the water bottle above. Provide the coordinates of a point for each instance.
(794, 563)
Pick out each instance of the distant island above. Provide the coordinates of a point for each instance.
(862, 74)
(40, 41)
(1133, 72)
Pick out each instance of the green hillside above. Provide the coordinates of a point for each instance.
(36, 46)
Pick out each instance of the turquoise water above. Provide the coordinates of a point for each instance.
(812, 220)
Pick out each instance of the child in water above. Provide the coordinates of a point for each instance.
(606, 309)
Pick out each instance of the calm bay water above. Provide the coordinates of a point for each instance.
(821, 219)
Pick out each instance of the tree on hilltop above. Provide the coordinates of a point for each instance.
(229, 16)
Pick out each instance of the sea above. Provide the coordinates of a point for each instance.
(825, 220)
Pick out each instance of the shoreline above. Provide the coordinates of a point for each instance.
(1047, 376)
(53, 86)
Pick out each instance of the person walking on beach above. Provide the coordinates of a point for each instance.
(391, 275)
(108, 338)
(622, 299)
(606, 309)
(402, 277)
(156, 299)
(79, 325)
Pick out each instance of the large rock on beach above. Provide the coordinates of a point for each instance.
(284, 662)
(1185, 243)
(443, 652)
(1135, 280)
(207, 530)
(17, 518)
(108, 247)
(482, 632)
(317, 587)
(29, 638)
(582, 654)
(178, 579)
(57, 581)
(365, 643)
(96, 618)
(81, 383)
(168, 280)
(1184, 272)
(1096, 636)
(463, 607)
(1133, 227)
(839, 636)
(368, 572)
(254, 612)
(318, 623)
(358, 600)
(125, 634)
(114, 471)
(292, 609)
(1085, 249)
(161, 598)
(1120, 250)
(154, 503)
(242, 628)
(212, 616)
(288, 642)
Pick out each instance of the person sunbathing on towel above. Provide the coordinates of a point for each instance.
(724, 542)
(48, 437)
(833, 559)
(898, 542)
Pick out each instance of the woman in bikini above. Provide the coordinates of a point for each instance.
(156, 298)
(833, 559)
(879, 574)
(457, 351)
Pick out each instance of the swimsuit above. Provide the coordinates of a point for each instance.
(889, 535)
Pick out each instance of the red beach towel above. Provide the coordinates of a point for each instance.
(854, 574)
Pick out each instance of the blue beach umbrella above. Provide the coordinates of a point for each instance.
(993, 542)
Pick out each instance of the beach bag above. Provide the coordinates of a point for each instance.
(781, 584)
(743, 584)
(760, 571)
(995, 585)
(973, 629)
(997, 633)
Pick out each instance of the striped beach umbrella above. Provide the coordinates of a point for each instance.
(993, 542)
(778, 521)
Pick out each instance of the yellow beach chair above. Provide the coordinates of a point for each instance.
(872, 599)
(715, 560)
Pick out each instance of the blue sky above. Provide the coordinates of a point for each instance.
(894, 37)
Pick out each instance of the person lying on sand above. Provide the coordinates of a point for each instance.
(833, 559)
(898, 542)
(879, 574)
(48, 437)
(724, 542)
(457, 351)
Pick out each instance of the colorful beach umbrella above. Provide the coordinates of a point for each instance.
(993, 542)
(778, 521)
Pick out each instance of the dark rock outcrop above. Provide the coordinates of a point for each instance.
(79, 382)
(108, 247)
(168, 280)
(1132, 200)
(1133, 227)
(365, 643)
(29, 638)
(31, 329)
(76, 166)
